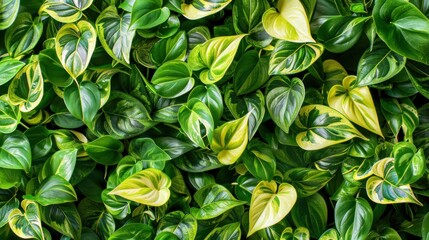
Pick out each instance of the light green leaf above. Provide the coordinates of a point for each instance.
(10, 179)
(355, 103)
(53, 190)
(65, 11)
(214, 57)
(284, 99)
(307, 181)
(300, 233)
(270, 204)
(9, 68)
(353, 218)
(64, 218)
(15, 151)
(148, 14)
(27, 224)
(61, 163)
(202, 8)
(409, 162)
(105, 150)
(330, 234)
(184, 226)
(74, 44)
(321, 126)
(290, 23)
(8, 12)
(10, 115)
(230, 231)
(290, 58)
(115, 34)
(83, 101)
(133, 231)
(149, 186)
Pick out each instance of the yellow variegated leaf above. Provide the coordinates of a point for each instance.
(270, 204)
(28, 224)
(333, 70)
(382, 192)
(65, 11)
(149, 186)
(203, 8)
(214, 57)
(355, 103)
(230, 140)
(290, 23)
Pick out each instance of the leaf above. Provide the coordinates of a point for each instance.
(214, 200)
(65, 11)
(321, 126)
(10, 115)
(355, 103)
(168, 49)
(353, 217)
(247, 14)
(26, 88)
(10, 179)
(211, 96)
(23, 35)
(8, 13)
(290, 23)
(115, 34)
(95, 216)
(214, 57)
(340, 33)
(409, 163)
(245, 186)
(425, 227)
(75, 44)
(83, 101)
(401, 25)
(330, 234)
(227, 232)
(61, 163)
(270, 204)
(172, 79)
(15, 151)
(198, 161)
(52, 69)
(8, 202)
(184, 226)
(312, 213)
(290, 58)
(260, 160)
(149, 186)
(9, 68)
(230, 140)
(202, 8)
(300, 233)
(307, 181)
(251, 73)
(192, 117)
(64, 218)
(53, 190)
(148, 14)
(133, 231)
(105, 150)
(147, 150)
(285, 97)
(27, 224)
(378, 65)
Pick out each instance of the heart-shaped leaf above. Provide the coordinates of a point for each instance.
(65, 11)
(10, 115)
(312, 213)
(184, 226)
(251, 73)
(61, 163)
(211, 96)
(202, 8)
(168, 49)
(15, 151)
(409, 163)
(27, 224)
(147, 150)
(53, 190)
(133, 231)
(83, 101)
(148, 14)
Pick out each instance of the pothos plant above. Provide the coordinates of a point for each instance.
(214, 119)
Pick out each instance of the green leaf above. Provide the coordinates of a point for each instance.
(403, 28)
(307, 181)
(321, 126)
(53, 190)
(300, 233)
(290, 58)
(284, 99)
(115, 34)
(94, 215)
(15, 151)
(196, 121)
(133, 231)
(184, 226)
(425, 227)
(65, 11)
(270, 204)
(27, 224)
(355, 103)
(74, 44)
(148, 14)
(312, 213)
(230, 140)
(9, 68)
(149, 186)
(214, 57)
(168, 49)
(83, 101)
(214, 200)
(260, 160)
(353, 218)
(247, 14)
(202, 8)
(409, 163)
(245, 186)
(378, 64)
(147, 150)
(52, 69)
(172, 79)
(10, 178)
(61, 163)
(230, 231)
(10, 115)
(340, 33)
(8, 12)
(330, 234)
(211, 96)
(26, 88)
(290, 23)
(23, 35)
(8, 202)
(105, 150)
(251, 73)
(64, 218)
(198, 161)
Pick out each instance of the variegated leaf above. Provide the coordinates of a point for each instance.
(65, 11)
(202, 8)
(28, 224)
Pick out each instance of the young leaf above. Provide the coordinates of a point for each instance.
(9, 68)
(409, 163)
(53, 190)
(203, 8)
(115, 34)
(355, 103)
(26, 225)
(214, 57)
(15, 151)
(65, 11)
(148, 14)
(61, 163)
(8, 13)
(74, 44)
(353, 218)
(184, 226)
(270, 204)
(105, 150)
(83, 101)
(64, 218)
(10, 115)
(299, 233)
(290, 23)
(321, 126)
(149, 186)
(230, 140)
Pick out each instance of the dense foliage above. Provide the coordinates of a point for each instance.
(214, 119)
